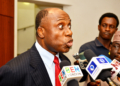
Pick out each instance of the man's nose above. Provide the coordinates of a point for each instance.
(68, 32)
(119, 50)
(107, 28)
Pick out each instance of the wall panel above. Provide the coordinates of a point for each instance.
(6, 31)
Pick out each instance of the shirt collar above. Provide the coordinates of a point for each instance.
(46, 56)
(98, 43)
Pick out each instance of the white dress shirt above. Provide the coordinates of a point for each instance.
(48, 59)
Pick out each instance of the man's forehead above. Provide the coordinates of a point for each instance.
(57, 15)
(116, 43)
(116, 36)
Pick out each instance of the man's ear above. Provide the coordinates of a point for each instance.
(110, 47)
(116, 29)
(99, 27)
(40, 32)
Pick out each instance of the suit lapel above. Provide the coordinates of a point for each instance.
(38, 71)
(63, 57)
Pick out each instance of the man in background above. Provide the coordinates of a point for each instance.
(115, 51)
(108, 24)
(39, 65)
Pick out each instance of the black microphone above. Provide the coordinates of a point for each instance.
(72, 82)
(105, 76)
(118, 74)
(64, 63)
(82, 62)
(89, 54)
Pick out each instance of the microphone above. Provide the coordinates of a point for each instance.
(98, 67)
(73, 83)
(108, 59)
(64, 63)
(96, 64)
(118, 74)
(89, 54)
(105, 76)
(82, 62)
(81, 59)
(79, 56)
(114, 72)
(116, 68)
(69, 75)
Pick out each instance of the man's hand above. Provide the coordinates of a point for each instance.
(96, 83)
(118, 78)
(76, 62)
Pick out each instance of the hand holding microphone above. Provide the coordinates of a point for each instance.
(96, 83)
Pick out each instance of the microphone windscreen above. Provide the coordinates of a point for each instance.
(73, 83)
(104, 75)
(89, 54)
(64, 63)
(118, 74)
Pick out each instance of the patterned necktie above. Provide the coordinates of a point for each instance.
(57, 71)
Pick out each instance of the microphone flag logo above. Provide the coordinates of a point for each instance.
(92, 67)
(101, 60)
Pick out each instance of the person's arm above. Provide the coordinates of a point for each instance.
(118, 78)
(7, 77)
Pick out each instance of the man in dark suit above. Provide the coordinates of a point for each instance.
(36, 66)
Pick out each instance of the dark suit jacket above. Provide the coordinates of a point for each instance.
(27, 69)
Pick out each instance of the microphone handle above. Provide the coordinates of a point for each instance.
(110, 82)
(116, 83)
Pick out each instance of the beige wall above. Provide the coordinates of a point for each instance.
(25, 27)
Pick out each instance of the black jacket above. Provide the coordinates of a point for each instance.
(26, 69)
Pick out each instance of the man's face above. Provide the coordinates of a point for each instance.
(57, 32)
(115, 50)
(107, 28)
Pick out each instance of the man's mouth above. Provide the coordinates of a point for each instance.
(70, 43)
(106, 33)
(117, 56)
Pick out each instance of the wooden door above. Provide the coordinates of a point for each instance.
(6, 31)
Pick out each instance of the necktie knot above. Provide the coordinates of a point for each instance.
(56, 61)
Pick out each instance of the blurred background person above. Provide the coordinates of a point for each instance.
(115, 50)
